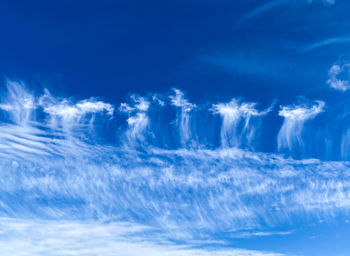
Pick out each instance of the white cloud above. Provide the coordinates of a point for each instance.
(137, 120)
(334, 81)
(66, 195)
(325, 42)
(137, 125)
(23, 237)
(19, 103)
(183, 117)
(232, 114)
(262, 233)
(126, 108)
(179, 100)
(294, 119)
(67, 110)
(94, 107)
(138, 103)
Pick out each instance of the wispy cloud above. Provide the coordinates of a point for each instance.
(262, 233)
(262, 9)
(293, 124)
(232, 114)
(22, 237)
(270, 5)
(324, 43)
(330, 2)
(66, 190)
(19, 103)
(137, 120)
(183, 117)
(335, 82)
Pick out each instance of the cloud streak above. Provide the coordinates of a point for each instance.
(232, 114)
(271, 5)
(324, 43)
(23, 237)
(290, 134)
(183, 117)
(262, 9)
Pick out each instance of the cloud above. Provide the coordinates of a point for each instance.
(328, 2)
(334, 81)
(293, 124)
(183, 117)
(270, 5)
(262, 233)
(325, 42)
(19, 103)
(23, 237)
(137, 120)
(178, 100)
(262, 9)
(232, 114)
(63, 191)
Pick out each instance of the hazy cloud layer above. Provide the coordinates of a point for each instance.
(69, 185)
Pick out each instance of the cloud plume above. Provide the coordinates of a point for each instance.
(295, 116)
(334, 81)
(233, 113)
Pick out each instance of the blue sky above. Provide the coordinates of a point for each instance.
(175, 128)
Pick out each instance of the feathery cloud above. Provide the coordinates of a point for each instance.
(293, 124)
(335, 82)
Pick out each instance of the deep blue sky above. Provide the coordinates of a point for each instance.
(112, 48)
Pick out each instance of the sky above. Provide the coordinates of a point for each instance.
(177, 128)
